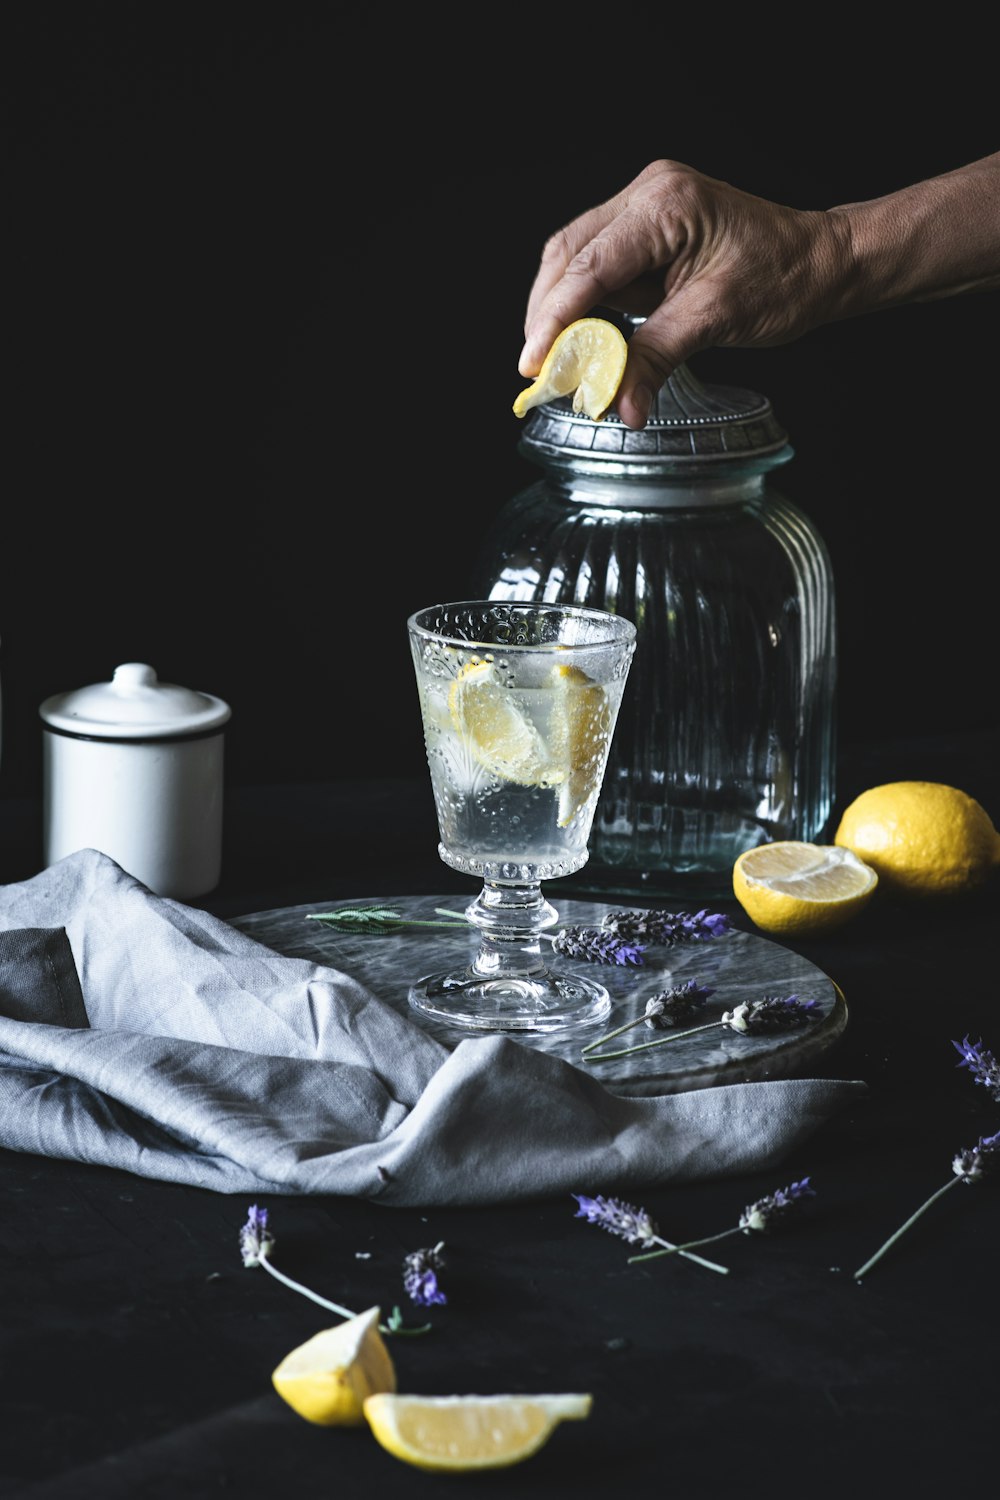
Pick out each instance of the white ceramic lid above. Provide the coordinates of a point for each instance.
(134, 705)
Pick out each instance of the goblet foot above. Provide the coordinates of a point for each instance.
(538, 1003)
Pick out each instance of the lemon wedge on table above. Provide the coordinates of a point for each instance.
(578, 736)
(502, 738)
(464, 1433)
(924, 838)
(328, 1378)
(586, 361)
(793, 887)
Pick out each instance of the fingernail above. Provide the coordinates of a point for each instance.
(524, 360)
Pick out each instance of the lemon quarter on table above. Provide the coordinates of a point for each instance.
(327, 1379)
(924, 838)
(794, 887)
(464, 1433)
(586, 361)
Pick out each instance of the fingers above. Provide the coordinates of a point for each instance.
(658, 346)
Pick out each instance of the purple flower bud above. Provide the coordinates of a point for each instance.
(255, 1238)
(768, 1213)
(772, 1013)
(628, 1223)
(676, 1006)
(981, 1063)
(663, 929)
(597, 946)
(420, 1270)
(979, 1160)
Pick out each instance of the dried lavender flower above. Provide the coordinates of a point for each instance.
(767, 1213)
(256, 1240)
(981, 1063)
(420, 1270)
(596, 945)
(663, 929)
(633, 1225)
(971, 1165)
(772, 1013)
(668, 1008)
(256, 1244)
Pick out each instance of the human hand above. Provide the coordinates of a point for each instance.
(704, 263)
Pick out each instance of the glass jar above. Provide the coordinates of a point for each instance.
(726, 737)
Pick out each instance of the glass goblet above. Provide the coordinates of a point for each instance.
(519, 703)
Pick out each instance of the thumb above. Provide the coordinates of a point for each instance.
(656, 348)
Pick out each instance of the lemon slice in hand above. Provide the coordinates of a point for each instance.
(586, 361)
(578, 736)
(802, 888)
(327, 1379)
(464, 1433)
(501, 737)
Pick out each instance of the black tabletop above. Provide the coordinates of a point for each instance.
(138, 1350)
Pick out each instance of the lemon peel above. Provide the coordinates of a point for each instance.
(924, 838)
(587, 361)
(328, 1378)
(466, 1433)
(797, 887)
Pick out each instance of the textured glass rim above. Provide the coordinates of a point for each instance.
(618, 630)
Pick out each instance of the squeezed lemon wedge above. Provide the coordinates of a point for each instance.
(799, 887)
(586, 361)
(502, 738)
(578, 737)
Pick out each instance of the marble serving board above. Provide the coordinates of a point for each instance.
(737, 966)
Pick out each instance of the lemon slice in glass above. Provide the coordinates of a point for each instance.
(586, 361)
(464, 1433)
(327, 1379)
(501, 737)
(799, 887)
(578, 737)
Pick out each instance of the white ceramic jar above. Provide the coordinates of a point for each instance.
(134, 767)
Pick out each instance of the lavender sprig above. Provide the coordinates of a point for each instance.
(373, 920)
(420, 1276)
(767, 1213)
(663, 929)
(633, 1225)
(981, 1063)
(772, 1013)
(971, 1165)
(256, 1244)
(669, 1008)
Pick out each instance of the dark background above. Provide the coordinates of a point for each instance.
(265, 278)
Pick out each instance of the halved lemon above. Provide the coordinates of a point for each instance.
(502, 738)
(328, 1378)
(802, 888)
(578, 736)
(469, 1432)
(586, 361)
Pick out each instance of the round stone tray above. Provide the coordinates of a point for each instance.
(738, 966)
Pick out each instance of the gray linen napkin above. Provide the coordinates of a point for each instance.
(140, 1033)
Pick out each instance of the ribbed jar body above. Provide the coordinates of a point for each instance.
(726, 736)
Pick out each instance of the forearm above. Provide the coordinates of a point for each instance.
(938, 238)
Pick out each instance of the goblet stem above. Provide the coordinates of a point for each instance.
(511, 920)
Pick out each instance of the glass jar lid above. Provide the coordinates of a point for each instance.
(692, 427)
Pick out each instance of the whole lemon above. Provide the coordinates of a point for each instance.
(923, 838)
